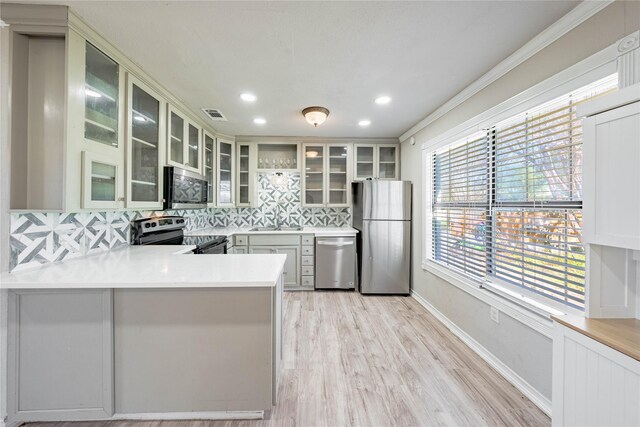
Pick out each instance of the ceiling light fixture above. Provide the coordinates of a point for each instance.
(248, 97)
(364, 123)
(383, 100)
(315, 115)
(259, 121)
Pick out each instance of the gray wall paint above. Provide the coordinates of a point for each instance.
(524, 350)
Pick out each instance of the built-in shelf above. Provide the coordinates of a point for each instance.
(147, 118)
(175, 138)
(100, 125)
(135, 181)
(143, 142)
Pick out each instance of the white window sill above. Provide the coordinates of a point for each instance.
(526, 310)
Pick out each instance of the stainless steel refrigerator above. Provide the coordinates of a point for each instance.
(382, 215)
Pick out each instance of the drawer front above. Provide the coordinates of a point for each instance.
(274, 240)
(308, 281)
(241, 240)
(307, 260)
(308, 239)
(307, 250)
(307, 270)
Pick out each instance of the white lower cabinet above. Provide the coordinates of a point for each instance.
(60, 359)
(291, 266)
(288, 244)
(593, 384)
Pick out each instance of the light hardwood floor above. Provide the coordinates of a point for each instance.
(351, 360)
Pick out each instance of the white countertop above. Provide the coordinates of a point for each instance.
(151, 267)
(317, 231)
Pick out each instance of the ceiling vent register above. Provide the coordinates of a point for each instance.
(215, 114)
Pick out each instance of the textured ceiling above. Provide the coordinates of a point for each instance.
(340, 55)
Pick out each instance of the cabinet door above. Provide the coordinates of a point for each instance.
(364, 162)
(193, 147)
(184, 143)
(313, 183)
(60, 363)
(103, 86)
(238, 250)
(100, 182)
(291, 266)
(145, 119)
(226, 151)
(612, 178)
(262, 250)
(387, 162)
(176, 135)
(245, 175)
(338, 176)
(208, 161)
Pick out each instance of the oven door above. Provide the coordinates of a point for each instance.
(184, 189)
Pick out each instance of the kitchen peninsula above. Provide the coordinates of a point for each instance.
(145, 332)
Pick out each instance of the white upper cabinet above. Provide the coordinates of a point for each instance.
(208, 163)
(326, 175)
(226, 182)
(103, 148)
(612, 169)
(377, 161)
(245, 177)
(145, 145)
(183, 141)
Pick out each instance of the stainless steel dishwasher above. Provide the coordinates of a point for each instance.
(335, 262)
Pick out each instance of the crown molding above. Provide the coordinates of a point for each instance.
(568, 22)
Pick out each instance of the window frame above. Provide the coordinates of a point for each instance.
(587, 71)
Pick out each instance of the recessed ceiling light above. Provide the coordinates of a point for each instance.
(383, 100)
(364, 123)
(249, 97)
(259, 121)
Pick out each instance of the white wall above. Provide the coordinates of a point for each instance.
(524, 350)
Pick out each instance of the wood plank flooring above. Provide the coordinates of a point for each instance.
(351, 360)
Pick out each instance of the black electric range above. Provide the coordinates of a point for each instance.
(169, 230)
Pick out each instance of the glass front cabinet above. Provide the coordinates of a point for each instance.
(145, 137)
(103, 130)
(225, 183)
(377, 161)
(326, 175)
(183, 144)
(208, 163)
(245, 176)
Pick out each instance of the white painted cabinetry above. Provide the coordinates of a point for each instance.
(245, 174)
(326, 175)
(377, 161)
(612, 169)
(183, 141)
(60, 354)
(593, 384)
(208, 166)
(225, 151)
(146, 112)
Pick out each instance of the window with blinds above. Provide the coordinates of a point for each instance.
(507, 201)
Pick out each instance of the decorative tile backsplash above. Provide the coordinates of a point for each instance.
(40, 238)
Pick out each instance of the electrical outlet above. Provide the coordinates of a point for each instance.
(495, 314)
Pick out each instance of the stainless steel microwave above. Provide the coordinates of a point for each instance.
(184, 189)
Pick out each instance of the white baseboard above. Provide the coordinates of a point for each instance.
(210, 415)
(518, 382)
(169, 416)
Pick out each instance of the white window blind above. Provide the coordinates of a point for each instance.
(507, 202)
